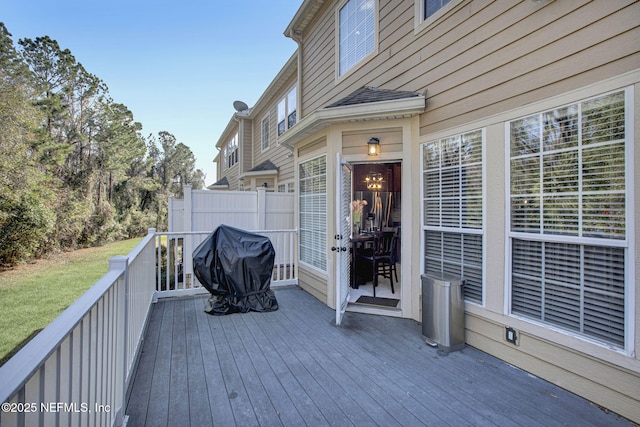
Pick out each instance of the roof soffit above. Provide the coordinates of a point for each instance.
(305, 14)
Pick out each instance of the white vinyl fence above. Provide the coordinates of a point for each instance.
(205, 210)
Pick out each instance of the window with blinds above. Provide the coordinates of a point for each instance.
(357, 37)
(313, 212)
(568, 217)
(452, 209)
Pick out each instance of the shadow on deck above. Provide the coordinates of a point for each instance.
(294, 367)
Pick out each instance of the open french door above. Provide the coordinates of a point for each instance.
(343, 228)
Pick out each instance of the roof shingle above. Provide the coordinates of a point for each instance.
(369, 94)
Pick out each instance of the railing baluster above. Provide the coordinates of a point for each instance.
(83, 357)
(86, 355)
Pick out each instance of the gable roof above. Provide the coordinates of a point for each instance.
(369, 94)
(365, 104)
(222, 183)
(267, 165)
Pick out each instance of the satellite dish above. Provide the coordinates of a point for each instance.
(240, 106)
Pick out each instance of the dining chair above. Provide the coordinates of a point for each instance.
(382, 258)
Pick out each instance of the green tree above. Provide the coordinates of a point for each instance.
(74, 167)
(25, 198)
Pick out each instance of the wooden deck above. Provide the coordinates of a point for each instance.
(294, 367)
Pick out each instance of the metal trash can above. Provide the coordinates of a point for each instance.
(443, 311)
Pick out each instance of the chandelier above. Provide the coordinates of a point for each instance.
(374, 181)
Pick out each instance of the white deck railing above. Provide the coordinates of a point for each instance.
(77, 371)
(175, 270)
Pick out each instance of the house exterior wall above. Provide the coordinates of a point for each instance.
(483, 63)
(532, 50)
(280, 156)
(245, 140)
(248, 124)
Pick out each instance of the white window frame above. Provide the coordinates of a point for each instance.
(359, 61)
(460, 230)
(420, 23)
(319, 234)
(286, 187)
(265, 132)
(627, 243)
(287, 106)
(231, 152)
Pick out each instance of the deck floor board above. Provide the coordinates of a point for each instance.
(294, 367)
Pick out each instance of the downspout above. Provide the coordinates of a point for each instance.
(296, 36)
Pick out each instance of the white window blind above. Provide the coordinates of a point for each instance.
(568, 192)
(452, 209)
(575, 287)
(313, 212)
(357, 32)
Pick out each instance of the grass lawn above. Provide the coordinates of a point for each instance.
(32, 295)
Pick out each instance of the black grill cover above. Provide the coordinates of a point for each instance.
(236, 267)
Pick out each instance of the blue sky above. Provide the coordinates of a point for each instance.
(178, 66)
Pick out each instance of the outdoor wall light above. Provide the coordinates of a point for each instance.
(374, 146)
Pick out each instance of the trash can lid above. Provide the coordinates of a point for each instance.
(445, 278)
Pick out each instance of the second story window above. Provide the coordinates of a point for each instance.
(231, 152)
(357, 33)
(291, 107)
(265, 133)
(432, 6)
(287, 107)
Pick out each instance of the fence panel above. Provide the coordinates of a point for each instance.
(279, 208)
(205, 210)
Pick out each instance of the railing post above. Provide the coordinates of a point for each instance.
(262, 208)
(171, 213)
(121, 263)
(187, 248)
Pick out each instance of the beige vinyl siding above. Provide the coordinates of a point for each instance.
(245, 146)
(584, 375)
(233, 176)
(507, 54)
(482, 63)
(276, 153)
(594, 371)
(355, 142)
(556, 57)
(313, 283)
(318, 59)
(312, 146)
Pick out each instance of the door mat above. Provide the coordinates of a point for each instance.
(385, 302)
